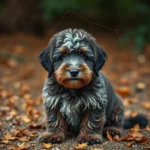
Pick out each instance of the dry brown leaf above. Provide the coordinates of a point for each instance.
(96, 149)
(140, 86)
(4, 142)
(13, 147)
(129, 113)
(130, 144)
(146, 105)
(136, 128)
(19, 133)
(123, 91)
(135, 134)
(142, 140)
(12, 63)
(23, 139)
(13, 113)
(23, 146)
(126, 138)
(110, 138)
(147, 128)
(1, 124)
(9, 137)
(80, 146)
(24, 90)
(26, 119)
(38, 100)
(3, 94)
(146, 148)
(124, 81)
(46, 145)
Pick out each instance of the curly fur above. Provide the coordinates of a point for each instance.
(85, 103)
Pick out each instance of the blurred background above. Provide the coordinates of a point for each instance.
(121, 28)
(130, 17)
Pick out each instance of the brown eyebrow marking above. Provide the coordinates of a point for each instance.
(83, 49)
(64, 49)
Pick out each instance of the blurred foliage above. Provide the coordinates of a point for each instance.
(2, 5)
(139, 12)
(134, 14)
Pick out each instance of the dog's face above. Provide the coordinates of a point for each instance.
(73, 57)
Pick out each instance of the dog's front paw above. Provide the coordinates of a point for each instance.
(51, 137)
(90, 139)
(113, 131)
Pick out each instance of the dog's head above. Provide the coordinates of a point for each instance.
(73, 57)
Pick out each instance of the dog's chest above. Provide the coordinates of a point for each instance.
(71, 109)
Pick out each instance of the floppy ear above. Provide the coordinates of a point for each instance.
(101, 57)
(44, 58)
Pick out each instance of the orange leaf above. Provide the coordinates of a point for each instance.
(80, 146)
(110, 138)
(96, 149)
(9, 137)
(26, 119)
(123, 91)
(135, 134)
(142, 140)
(146, 105)
(23, 146)
(136, 128)
(130, 144)
(4, 142)
(46, 145)
(147, 128)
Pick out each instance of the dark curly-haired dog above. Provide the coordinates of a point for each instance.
(76, 95)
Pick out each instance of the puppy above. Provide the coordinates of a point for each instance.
(77, 96)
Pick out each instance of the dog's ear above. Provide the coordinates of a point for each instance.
(44, 58)
(101, 57)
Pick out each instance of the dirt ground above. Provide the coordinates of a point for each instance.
(22, 79)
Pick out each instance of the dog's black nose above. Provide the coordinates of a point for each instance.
(74, 72)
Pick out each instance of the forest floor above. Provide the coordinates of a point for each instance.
(22, 79)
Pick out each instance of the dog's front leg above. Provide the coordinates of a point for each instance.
(91, 127)
(56, 127)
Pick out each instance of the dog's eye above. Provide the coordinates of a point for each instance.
(83, 55)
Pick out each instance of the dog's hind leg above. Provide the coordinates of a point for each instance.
(114, 121)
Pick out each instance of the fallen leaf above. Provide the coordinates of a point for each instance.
(142, 140)
(4, 142)
(130, 144)
(147, 128)
(13, 113)
(140, 86)
(146, 105)
(80, 146)
(123, 91)
(136, 128)
(135, 134)
(23, 146)
(146, 148)
(26, 119)
(46, 145)
(9, 137)
(110, 138)
(96, 149)
(13, 147)
(23, 139)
